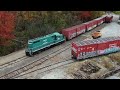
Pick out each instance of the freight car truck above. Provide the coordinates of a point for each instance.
(41, 43)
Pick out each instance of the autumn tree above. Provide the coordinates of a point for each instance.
(96, 14)
(85, 15)
(7, 24)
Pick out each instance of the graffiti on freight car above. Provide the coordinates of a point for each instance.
(80, 32)
(72, 35)
(87, 54)
(112, 45)
(109, 50)
(74, 49)
(100, 52)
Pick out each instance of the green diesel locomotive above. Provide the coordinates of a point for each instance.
(40, 43)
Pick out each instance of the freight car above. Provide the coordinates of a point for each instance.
(100, 20)
(96, 47)
(90, 25)
(75, 31)
(41, 43)
(108, 19)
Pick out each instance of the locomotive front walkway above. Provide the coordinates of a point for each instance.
(12, 56)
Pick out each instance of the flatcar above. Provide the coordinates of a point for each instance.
(90, 48)
(40, 43)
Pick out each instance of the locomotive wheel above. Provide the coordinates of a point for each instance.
(27, 54)
(31, 55)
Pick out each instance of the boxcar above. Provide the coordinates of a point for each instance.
(108, 19)
(96, 47)
(40, 43)
(100, 20)
(69, 33)
(84, 49)
(90, 25)
(104, 16)
(74, 50)
(94, 23)
(81, 29)
(102, 46)
(74, 31)
(113, 45)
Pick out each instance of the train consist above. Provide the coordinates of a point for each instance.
(95, 47)
(75, 31)
(41, 43)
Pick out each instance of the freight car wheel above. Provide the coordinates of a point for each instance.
(62, 42)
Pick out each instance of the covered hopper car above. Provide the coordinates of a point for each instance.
(96, 47)
(40, 43)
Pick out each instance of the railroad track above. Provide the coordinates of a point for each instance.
(49, 67)
(12, 62)
(33, 64)
(8, 64)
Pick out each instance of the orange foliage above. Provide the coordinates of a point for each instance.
(85, 15)
(7, 24)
